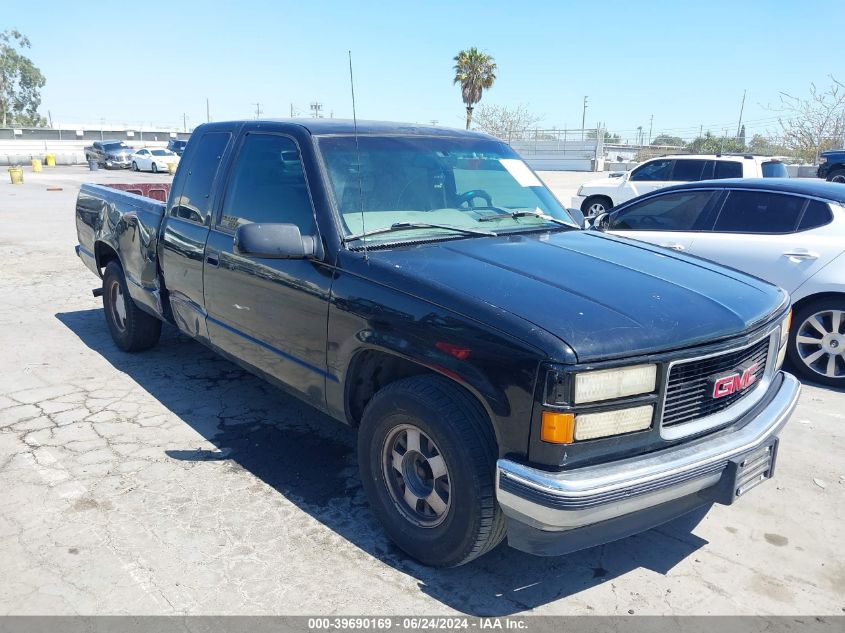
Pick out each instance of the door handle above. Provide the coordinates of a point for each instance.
(212, 261)
(674, 247)
(801, 255)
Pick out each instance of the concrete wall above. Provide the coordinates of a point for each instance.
(68, 146)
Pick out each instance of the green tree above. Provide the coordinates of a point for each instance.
(474, 71)
(666, 139)
(20, 82)
(710, 144)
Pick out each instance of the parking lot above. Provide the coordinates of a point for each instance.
(172, 482)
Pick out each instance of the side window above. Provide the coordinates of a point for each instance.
(728, 169)
(815, 215)
(687, 170)
(193, 203)
(774, 169)
(759, 212)
(653, 170)
(678, 211)
(267, 184)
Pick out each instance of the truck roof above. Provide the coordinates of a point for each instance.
(347, 126)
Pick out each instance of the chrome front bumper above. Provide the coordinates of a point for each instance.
(545, 508)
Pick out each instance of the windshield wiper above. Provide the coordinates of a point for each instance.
(526, 214)
(408, 226)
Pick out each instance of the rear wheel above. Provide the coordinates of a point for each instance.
(837, 175)
(427, 456)
(132, 329)
(596, 205)
(817, 341)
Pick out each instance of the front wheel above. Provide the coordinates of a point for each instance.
(155, 168)
(595, 206)
(134, 166)
(427, 456)
(132, 329)
(837, 175)
(816, 347)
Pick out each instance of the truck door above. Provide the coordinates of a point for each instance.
(185, 230)
(269, 313)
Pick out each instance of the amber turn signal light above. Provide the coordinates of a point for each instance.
(558, 428)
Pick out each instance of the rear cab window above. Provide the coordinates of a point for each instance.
(192, 202)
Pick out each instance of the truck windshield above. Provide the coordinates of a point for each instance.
(435, 184)
(115, 146)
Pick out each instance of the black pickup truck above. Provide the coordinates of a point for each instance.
(510, 373)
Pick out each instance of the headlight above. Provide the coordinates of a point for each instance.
(607, 384)
(589, 426)
(566, 428)
(822, 160)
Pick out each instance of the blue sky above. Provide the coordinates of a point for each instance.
(687, 63)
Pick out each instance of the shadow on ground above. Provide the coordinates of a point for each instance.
(310, 459)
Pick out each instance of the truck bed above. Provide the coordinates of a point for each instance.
(116, 220)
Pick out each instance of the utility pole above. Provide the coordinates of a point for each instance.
(207, 111)
(316, 108)
(258, 110)
(640, 135)
(184, 122)
(583, 118)
(650, 123)
(741, 108)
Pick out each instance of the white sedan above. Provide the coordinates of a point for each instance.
(788, 232)
(154, 160)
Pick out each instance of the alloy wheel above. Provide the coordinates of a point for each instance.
(118, 306)
(820, 343)
(417, 476)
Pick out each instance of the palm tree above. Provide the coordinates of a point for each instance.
(475, 71)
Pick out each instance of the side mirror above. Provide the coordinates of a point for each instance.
(274, 241)
(601, 222)
(578, 216)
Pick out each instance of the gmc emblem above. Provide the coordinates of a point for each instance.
(743, 378)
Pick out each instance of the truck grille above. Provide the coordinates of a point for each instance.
(688, 390)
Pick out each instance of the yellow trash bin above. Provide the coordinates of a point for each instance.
(16, 174)
(36, 164)
(50, 159)
(171, 168)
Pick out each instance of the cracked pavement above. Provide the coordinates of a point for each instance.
(172, 482)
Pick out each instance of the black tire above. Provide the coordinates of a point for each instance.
(155, 168)
(132, 329)
(837, 175)
(134, 166)
(596, 205)
(822, 312)
(453, 420)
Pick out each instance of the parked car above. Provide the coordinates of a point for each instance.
(832, 165)
(598, 196)
(788, 232)
(176, 146)
(508, 372)
(154, 160)
(109, 154)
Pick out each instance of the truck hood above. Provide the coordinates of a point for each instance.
(605, 297)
